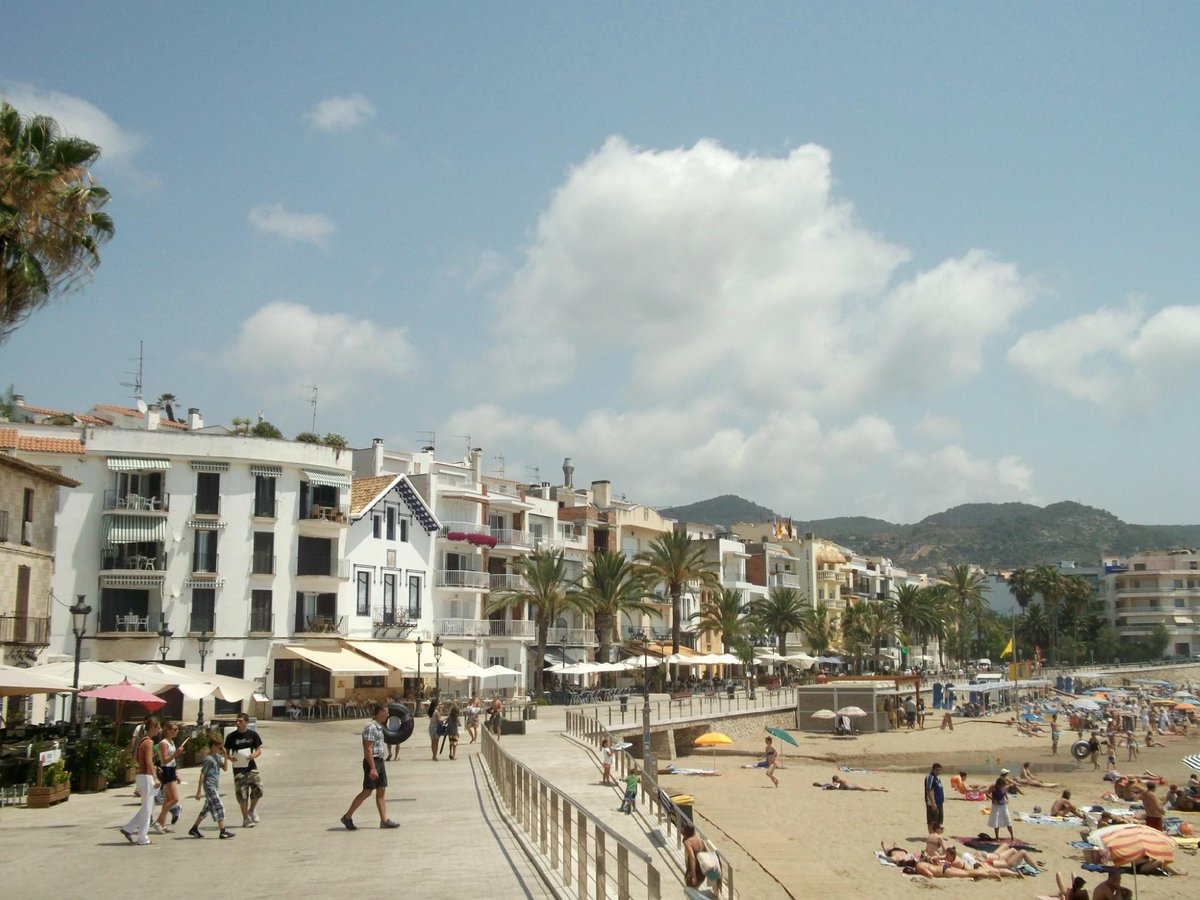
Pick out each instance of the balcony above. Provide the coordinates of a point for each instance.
(461, 627)
(262, 564)
(828, 575)
(472, 533)
(154, 503)
(128, 620)
(134, 558)
(25, 630)
(323, 567)
(784, 580)
(261, 622)
(461, 578)
(394, 617)
(200, 622)
(317, 520)
(516, 628)
(630, 633)
(322, 625)
(573, 637)
(511, 538)
(459, 486)
(507, 581)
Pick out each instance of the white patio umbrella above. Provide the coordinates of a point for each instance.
(633, 663)
(93, 673)
(823, 714)
(497, 671)
(15, 681)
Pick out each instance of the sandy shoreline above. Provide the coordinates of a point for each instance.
(800, 840)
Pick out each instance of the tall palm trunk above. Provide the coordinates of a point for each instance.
(543, 635)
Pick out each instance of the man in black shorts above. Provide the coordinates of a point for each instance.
(374, 773)
(935, 797)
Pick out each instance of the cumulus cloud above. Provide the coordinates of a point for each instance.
(119, 148)
(288, 344)
(340, 113)
(298, 228)
(1113, 354)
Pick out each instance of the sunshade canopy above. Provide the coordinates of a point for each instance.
(339, 661)
(402, 656)
(15, 681)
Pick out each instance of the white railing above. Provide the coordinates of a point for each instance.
(507, 581)
(784, 580)
(462, 578)
(516, 628)
(573, 636)
(509, 536)
(465, 528)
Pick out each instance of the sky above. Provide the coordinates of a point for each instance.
(840, 259)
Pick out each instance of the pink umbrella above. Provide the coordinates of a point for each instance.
(124, 692)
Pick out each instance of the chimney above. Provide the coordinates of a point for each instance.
(152, 417)
(601, 494)
(194, 423)
(377, 456)
(568, 473)
(477, 462)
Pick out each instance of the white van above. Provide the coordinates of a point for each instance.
(981, 663)
(987, 677)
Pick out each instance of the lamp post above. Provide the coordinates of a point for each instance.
(437, 667)
(203, 640)
(79, 613)
(164, 640)
(646, 758)
(417, 702)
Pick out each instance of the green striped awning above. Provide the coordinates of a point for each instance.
(267, 471)
(133, 530)
(134, 464)
(328, 479)
(209, 465)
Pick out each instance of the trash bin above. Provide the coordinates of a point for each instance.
(729, 690)
(624, 702)
(683, 803)
(530, 712)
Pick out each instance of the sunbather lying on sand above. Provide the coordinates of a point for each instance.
(1067, 889)
(1027, 777)
(952, 867)
(844, 785)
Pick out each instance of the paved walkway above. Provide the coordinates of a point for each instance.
(452, 843)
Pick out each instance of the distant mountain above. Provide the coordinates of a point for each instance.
(993, 535)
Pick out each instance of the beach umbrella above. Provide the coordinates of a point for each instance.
(713, 739)
(1129, 843)
(1185, 706)
(782, 735)
(1086, 704)
(1193, 761)
(1031, 717)
(1186, 695)
(854, 712)
(123, 693)
(823, 714)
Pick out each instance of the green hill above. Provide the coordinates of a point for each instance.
(723, 510)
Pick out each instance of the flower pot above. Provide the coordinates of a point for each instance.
(94, 784)
(43, 797)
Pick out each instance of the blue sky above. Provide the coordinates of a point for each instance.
(841, 259)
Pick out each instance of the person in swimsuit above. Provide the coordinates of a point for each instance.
(844, 785)
(1153, 807)
(770, 757)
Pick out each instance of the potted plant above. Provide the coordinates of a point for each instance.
(123, 766)
(94, 762)
(54, 786)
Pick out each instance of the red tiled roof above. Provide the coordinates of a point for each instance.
(41, 411)
(92, 420)
(10, 438)
(37, 471)
(120, 410)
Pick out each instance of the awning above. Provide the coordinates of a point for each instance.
(402, 656)
(132, 464)
(339, 662)
(417, 506)
(267, 471)
(1183, 620)
(209, 465)
(327, 479)
(556, 657)
(133, 530)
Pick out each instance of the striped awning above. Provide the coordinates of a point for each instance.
(149, 580)
(209, 465)
(133, 530)
(267, 471)
(327, 479)
(204, 582)
(134, 464)
(417, 506)
(206, 524)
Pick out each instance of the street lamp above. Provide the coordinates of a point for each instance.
(79, 613)
(645, 639)
(437, 667)
(203, 640)
(417, 702)
(164, 640)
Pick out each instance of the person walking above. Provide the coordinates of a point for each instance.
(436, 725)
(771, 759)
(1055, 734)
(935, 798)
(210, 785)
(606, 759)
(495, 717)
(243, 747)
(473, 710)
(136, 829)
(452, 730)
(632, 780)
(374, 772)
(168, 775)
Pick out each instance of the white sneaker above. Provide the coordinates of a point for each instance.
(157, 829)
(247, 822)
(254, 817)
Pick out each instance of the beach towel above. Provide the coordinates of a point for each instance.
(675, 770)
(1040, 819)
(973, 796)
(858, 771)
(881, 858)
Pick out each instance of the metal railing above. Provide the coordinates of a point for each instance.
(204, 562)
(137, 502)
(265, 509)
(206, 506)
(681, 707)
(506, 581)
(24, 630)
(591, 859)
(333, 567)
(199, 623)
(510, 536)
(262, 564)
(574, 636)
(655, 802)
(322, 625)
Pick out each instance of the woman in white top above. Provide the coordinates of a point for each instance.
(167, 775)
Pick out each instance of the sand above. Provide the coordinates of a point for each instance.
(799, 841)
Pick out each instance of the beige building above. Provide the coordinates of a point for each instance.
(1157, 588)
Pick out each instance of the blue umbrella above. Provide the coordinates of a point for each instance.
(1031, 717)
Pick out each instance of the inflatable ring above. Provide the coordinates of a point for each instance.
(1081, 750)
(399, 725)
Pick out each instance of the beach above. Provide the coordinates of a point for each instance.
(803, 841)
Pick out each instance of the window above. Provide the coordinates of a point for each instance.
(391, 523)
(377, 526)
(403, 530)
(300, 678)
(204, 604)
(363, 579)
(261, 618)
(262, 560)
(204, 549)
(27, 518)
(496, 522)
(1139, 567)
(414, 597)
(389, 598)
(1179, 584)
(264, 497)
(370, 681)
(208, 493)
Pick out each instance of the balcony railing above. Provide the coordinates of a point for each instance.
(323, 625)
(262, 564)
(317, 513)
(462, 578)
(509, 536)
(458, 531)
(517, 628)
(572, 636)
(332, 567)
(507, 581)
(127, 561)
(460, 627)
(630, 632)
(127, 621)
(137, 502)
(201, 622)
(265, 509)
(24, 630)
(261, 622)
(394, 617)
(784, 580)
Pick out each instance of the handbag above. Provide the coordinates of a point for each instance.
(442, 728)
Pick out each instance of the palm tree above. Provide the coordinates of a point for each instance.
(51, 226)
(674, 560)
(1077, 608)
(778, 613)
(817, 627)
(611, 587)
(1052, 585)
(964, 588)
(167, 402)
(1022, 584)
(547, 592)
(879, 622)
(855, 636)
(1034, 624)
(918, 614)
(723, 612)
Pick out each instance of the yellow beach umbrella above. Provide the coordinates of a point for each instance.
(713, 739)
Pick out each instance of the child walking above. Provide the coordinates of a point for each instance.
(632, 780)
(452, 730)
(606, 757)
(210, 777)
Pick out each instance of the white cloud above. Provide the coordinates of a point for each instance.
(340, 113)
(1112, 355)
(302, 228)
(119, 148)
(287, 345)
(938, 428)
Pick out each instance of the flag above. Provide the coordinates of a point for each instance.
(1008, 649)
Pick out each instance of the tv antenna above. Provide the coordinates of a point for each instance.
(136, 384)
(428, 440)
(500, 466)
(537, 474)
(467, 438)
(312, 401)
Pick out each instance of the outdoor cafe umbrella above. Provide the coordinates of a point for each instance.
(124, 692)
(15, 681)
(713, 739)
(823, 714)
(1128, 843)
